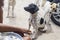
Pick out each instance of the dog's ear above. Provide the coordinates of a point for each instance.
(32, 8)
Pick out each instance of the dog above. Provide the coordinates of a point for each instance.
(11, 5)
(36, 20)
(37, 23)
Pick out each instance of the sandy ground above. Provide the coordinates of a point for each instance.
(21, 19)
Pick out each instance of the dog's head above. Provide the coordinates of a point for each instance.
(50, 0)
(32, 8)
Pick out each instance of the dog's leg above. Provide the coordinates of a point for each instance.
(41, 26)
(48, 24)
(35, 31)
(49, 28)
(35, 35)
(29, 24)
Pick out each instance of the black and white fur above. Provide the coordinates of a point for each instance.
(37, 21)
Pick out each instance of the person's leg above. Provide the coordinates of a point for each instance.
(1, 15)
(1, 11)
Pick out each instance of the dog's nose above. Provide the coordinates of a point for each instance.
(26, 8)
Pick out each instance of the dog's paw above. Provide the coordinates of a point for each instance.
(41, 29)
(33, 38)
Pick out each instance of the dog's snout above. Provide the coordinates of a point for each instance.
(26, 8)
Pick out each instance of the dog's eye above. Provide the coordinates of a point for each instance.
(41, 21)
